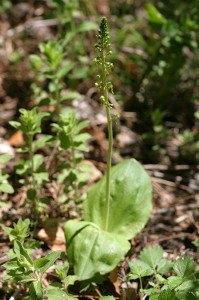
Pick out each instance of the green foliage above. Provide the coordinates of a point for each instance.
(5, 5)
(117, 207)
(130, 200)
(20, 230)
(53, 66)
(71, 139)
(85, 250)
(30, 124)
(5, 187)
(23, 269)
(183, 285)
(29, 121)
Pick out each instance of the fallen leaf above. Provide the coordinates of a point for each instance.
(17, 139)
(114, 279)
(52, 234)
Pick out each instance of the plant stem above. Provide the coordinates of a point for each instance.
(31, 156)
(110, 142)
(74, 165)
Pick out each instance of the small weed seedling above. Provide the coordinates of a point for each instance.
(183, 285)
(30, 124)
(117, 207)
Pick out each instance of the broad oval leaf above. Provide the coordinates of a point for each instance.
(93, 251)
(130, 200)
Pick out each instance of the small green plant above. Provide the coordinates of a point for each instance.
(153, 272)
(30, 124)
(53, 66)
(117, 207)
(5, 187)
(72, 172)
(22, 269)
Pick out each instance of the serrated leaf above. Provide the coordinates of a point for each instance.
(140, 269)
(174, 281)
(186, 296)
(164, 266)
(184, 266)
(91, 250)
(152, 256)
(130, 200)
(189, 286)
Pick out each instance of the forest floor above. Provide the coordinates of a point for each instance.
(174, 223)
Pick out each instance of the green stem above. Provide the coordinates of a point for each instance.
(33, 183)
(110, 142)
(74, 165)
(31, 160)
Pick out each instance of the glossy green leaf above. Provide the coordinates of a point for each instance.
(93, 251)
(130, 200)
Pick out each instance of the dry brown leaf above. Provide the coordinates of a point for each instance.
(114, 279)
(53, 235)
(17, 139)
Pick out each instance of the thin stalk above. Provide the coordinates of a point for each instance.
(31, 156)
(110, 142)
(74, 165)
(57, 98)
(30, 142)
